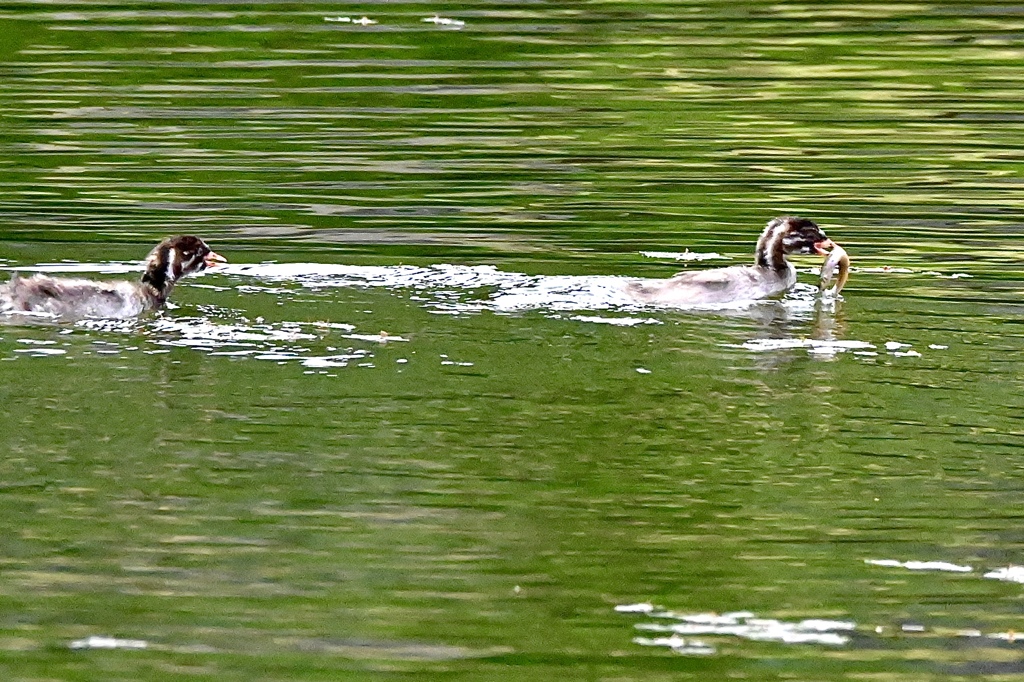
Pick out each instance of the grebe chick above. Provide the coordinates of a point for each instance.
(770, 275)
(169, 261)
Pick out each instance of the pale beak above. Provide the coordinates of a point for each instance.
(821, 248)
(212, 259)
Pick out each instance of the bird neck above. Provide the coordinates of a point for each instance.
(770, 251)
(158, 292)
(162, 271)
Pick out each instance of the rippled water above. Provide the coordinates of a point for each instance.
(414, 428)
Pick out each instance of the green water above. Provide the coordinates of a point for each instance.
(257, 484)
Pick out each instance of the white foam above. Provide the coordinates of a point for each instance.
(455, 289)
(41, 352)
(883, 269)
(745, 626)
(920, 565)
(681, 645)
(616, 321)
(444, 21)
(1010, 636)
(1013, 574)
(339, 360)
(823, 347)
(282, 342)
(679, 629)
(81, 268)
(377, 338)
(99, 642)
(191, 330)
(686, 255)
(954, 275)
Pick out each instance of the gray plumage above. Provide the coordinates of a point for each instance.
(770, 275)
(68, 298)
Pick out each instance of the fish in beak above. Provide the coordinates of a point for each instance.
(836, 266)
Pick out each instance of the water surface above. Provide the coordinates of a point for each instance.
(411, 430)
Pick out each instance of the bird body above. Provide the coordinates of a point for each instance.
(77, 298)
(70, 298)
(770, 275)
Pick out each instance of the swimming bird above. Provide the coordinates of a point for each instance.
(169, 261)
(770, 275)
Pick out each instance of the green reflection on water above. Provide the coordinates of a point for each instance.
(261, 518)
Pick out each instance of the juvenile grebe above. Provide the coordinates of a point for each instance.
(770, 275)
(172, 259)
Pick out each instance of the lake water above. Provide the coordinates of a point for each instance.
(411, 432)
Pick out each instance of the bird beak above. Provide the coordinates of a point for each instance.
(821, 248)
(212, 259)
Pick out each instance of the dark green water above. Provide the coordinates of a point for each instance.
(258, 485)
